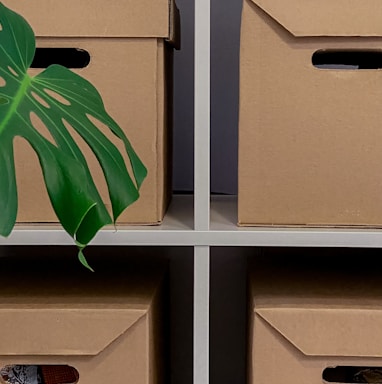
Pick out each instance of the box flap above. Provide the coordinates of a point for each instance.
(34, 331)
(70, 18)
(326, 331)
(326, 17)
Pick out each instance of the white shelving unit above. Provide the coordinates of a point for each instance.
(178, 230)
(199, 221)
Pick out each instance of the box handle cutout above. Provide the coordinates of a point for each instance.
(347, 59)
(344, 374)
(39, 374)
(67, 57)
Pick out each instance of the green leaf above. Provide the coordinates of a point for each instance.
(84, 262)
(60, 98)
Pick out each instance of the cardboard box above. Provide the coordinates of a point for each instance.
(310, 135)
(315, 321)
(130, 45)
(108, 325)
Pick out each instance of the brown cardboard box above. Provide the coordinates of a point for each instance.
(308, 317)
(310, 138)
(130, 47)
(108, 325)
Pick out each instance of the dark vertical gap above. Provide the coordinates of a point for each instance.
(228, 315)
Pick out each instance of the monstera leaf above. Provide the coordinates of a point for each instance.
(60, 98)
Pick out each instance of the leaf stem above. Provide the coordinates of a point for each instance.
(16, 102)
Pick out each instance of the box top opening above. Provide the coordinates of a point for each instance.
(303, 18)
(55, 279)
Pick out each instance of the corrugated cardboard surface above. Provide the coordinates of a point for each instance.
(134, 79)
(96, 18)
(308, 315)
(309, 139)
(108, 325)
(326, 18)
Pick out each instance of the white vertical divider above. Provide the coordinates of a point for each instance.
(202, 190)
(202, 115)
(201, 314)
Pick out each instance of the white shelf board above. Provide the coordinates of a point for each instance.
(225, 232)
(176, 229)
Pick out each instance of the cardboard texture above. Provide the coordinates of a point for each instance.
(108, 326)
(130, 46)
(309, 138)
(307, 321)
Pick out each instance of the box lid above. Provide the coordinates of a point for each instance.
(64, 331)
(51, 305)
(325, 302)
(326, 17)
(71, 18)
(324, 331)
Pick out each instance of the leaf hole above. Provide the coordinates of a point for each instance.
(57, 96)
(113, 138)
(1, 27)
(39, 125)
(3, 83)
(47, 374)
(40, 100)
(13, 72)
(29, 175)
